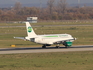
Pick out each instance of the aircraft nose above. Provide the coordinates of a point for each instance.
(75, 38)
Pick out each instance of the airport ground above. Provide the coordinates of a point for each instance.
(72, 60)
(81, 30)
(47, 61)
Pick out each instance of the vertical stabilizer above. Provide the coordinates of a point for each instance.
(30, 30)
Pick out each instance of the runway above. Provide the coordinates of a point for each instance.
(50, 25)
(47, 50)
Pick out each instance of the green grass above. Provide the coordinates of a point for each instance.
(84, 34)
(48, 61)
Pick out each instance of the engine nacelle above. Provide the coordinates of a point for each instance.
(67, 43)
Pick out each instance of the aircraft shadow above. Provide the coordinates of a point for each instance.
(35, 48)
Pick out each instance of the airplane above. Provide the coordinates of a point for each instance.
(47, 40)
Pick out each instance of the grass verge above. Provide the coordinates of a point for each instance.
(48, 61)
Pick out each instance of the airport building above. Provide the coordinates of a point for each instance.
(32, 19)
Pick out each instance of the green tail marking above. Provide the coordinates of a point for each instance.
(29, 29)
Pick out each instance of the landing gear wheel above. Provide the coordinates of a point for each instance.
(66, 46)
(57, 46)
(44, 46)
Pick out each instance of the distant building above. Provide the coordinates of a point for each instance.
(32, 19)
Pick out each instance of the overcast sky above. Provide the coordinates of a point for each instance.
(43, 1)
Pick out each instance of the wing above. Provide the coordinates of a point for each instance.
(61, 41)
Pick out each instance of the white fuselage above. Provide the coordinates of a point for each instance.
(52, 38)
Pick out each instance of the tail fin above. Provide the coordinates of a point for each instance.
(30, 30)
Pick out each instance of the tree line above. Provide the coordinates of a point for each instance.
(53, 11)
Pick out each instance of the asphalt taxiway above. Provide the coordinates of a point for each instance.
(47, 50)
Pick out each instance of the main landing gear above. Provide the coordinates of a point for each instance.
(44, 46)
(57, 46)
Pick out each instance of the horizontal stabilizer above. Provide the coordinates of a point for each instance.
(23, 38)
